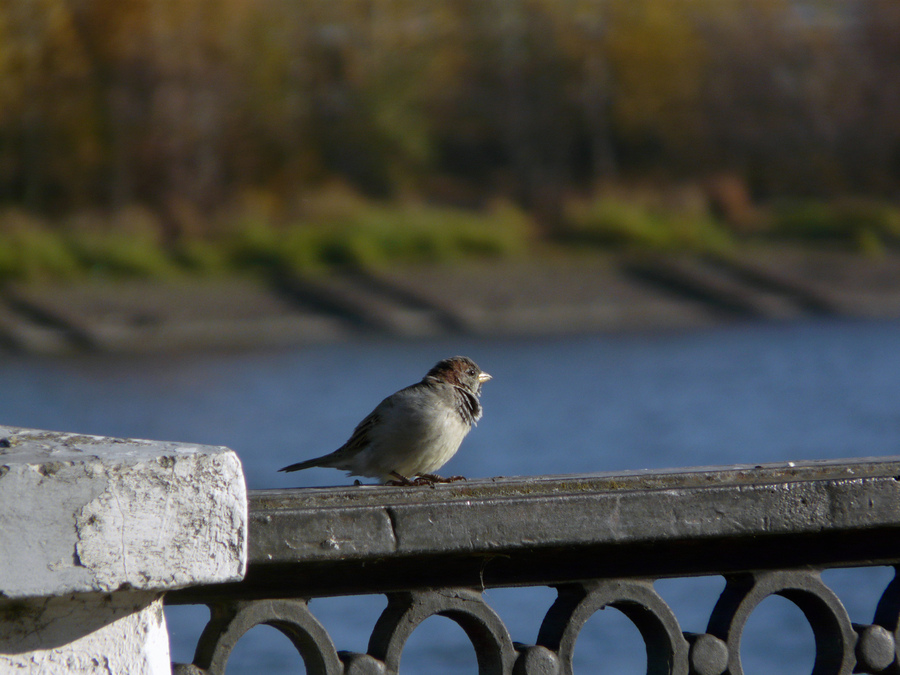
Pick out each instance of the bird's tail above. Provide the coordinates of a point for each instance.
(299, 466)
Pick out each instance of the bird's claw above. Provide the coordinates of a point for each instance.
(431, 479)
(421, 479)
(399, 480)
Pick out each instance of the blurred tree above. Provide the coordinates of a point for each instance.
(656, 58)
(780, 94)
(873, 141)
(48, 139)
(184, 106)
(585, 42)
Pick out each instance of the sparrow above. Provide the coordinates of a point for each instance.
(415, 431)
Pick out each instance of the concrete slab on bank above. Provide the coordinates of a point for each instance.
(521, 298)
(144, 316)
(584, 293)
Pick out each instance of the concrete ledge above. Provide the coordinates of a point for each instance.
(94, 530)
(559, 529)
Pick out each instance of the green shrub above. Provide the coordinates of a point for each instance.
(200, 256)
(377, 235)
(30, 251)
(121, 255)
(614, 223)
(861, 224)
(250, 243)
(124, 243)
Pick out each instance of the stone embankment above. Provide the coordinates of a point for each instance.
(576, 294)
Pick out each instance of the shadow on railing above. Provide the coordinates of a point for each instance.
(601, 540)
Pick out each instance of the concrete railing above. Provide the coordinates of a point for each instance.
(94, 531)
(601, 540)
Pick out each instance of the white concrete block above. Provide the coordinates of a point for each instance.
(87, 513)
(85, 634)
(93, 531)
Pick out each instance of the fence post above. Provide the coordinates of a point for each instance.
(94, 531)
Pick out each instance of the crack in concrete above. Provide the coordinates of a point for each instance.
(392, 519)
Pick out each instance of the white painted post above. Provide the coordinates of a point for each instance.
(93, 531)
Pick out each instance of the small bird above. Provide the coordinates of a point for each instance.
(415, 431)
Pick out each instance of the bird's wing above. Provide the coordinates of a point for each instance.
(360, 437)
(357, 441)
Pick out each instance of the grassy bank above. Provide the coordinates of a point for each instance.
(350, 232)
(131, 243)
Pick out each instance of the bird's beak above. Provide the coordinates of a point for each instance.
(483, 377)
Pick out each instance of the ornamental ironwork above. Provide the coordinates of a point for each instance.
(600, 540)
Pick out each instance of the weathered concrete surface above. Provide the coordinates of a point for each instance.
(93, 531)
(556, 529)
(498, 514)
(92, 514)
(86, 633)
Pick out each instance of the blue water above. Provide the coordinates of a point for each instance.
(746, 393)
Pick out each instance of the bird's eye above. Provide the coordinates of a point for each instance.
(471, 372)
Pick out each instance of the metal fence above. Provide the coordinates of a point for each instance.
(601, 540)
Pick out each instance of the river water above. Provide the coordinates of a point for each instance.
(747, 393)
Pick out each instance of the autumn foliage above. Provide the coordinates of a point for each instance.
(182, 107)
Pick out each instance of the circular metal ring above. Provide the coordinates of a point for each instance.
(667, 650)
(405, 611)
(887, 613)
(834, 634)
(230, 621)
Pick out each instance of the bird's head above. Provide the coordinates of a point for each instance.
(460, 371)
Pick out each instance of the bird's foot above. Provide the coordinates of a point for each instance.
(431, 479)
(400, 480)
(421, 479)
